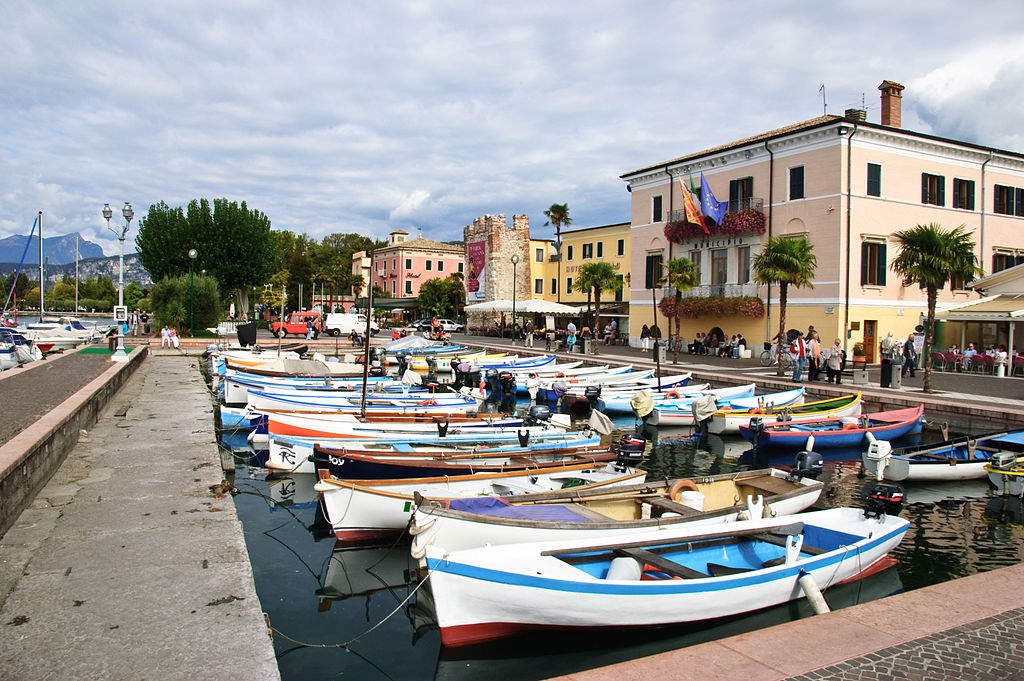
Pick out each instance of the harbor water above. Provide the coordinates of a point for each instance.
(316, 590)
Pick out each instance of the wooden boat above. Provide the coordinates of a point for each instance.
(729, 421)
(317, 426)
(289, 454)
(957, 459)
(359, 509)
(620, 402)
(694, 573)
(236, 385)
(439, 404)
(604, 515)
(1006, 470)
(836, 432)
(682, 414)
(346, 464)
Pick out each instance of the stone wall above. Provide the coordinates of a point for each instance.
(503, 241)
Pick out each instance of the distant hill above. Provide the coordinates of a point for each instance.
(89, 267)
(57, 250)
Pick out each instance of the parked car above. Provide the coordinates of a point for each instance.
(338, 324)
(448, 325)
(296, 324)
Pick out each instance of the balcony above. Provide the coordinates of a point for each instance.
(736, 206)
(714, 291)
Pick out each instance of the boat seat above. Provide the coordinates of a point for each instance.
(767, 483)
(669, 505)
(402, 447)
(781, 541)
(581, 510)
(718, 570)
(661, 563)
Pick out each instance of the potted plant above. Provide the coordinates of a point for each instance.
(858, 353)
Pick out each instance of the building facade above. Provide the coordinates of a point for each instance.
(847, 185)
(404, 265)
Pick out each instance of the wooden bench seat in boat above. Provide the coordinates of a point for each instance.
(669, 505)
(659, 562)
(767, 483)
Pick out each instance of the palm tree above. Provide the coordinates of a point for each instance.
(786, 261)
(558, 215)
(682, 275)
(930, 256)
(597, 277)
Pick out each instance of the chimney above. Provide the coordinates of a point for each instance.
(891, 100)
(856, 115)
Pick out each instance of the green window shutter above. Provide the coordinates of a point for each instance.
(924, 187)
(882, 265)
(864, 263)
(970, 195)
(942, 191)
(1019, 203)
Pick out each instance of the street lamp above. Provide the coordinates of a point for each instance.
(515, 261)
(119, 354)
(192, 253)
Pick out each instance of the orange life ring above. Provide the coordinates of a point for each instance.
(428, 403)
(672, 395)
(674, 493)
(757, 410)
(851, 426)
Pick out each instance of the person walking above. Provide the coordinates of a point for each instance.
(144, 320)
(834, 362)
(798, 351)
(645, 338)
(528, 333)
(909, 357)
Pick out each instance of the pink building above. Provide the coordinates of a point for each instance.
(405, 264)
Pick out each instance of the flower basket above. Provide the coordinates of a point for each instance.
(679, 231)
(748, 221)
(736, 306)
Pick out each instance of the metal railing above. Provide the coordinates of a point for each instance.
(715, 291)
(735, 206)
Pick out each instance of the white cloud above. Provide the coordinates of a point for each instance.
(371, 116)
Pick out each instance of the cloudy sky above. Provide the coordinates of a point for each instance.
(367, 115)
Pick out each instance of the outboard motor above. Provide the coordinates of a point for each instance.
(376, 370)
(507, 380)
(430, 380)
(883, 498)
(631, 447)
(492, 387)
(807, 464)
(756, 426)
(536, 415)
(456, 376)
(593, 395)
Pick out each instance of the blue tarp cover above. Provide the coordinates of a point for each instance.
(494, 506)
(1011, 438)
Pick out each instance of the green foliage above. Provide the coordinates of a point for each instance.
(597, 277)
(234, 243)
(273, 297)
(441, 297)
(132, 295)
(929, 257)
(98, 288)
(173, 296)
(558, 216)
(785, 261)
(21, 287)
(682, 274)
(378, 292)
(64, 290)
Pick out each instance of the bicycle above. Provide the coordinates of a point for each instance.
(770, 357)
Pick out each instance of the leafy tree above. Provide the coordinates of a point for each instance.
(786, 261)
(132, 295)
(273, 296)
(64, 289)
(21, 286)
(929, 257)
(682, 275)
(441, 297)
(174, 297)
(558, 215)
(232, 241)
(597, 277)
(378, 292)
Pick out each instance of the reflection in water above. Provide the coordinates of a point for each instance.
(329, 592)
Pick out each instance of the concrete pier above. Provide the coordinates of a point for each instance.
(126, 565)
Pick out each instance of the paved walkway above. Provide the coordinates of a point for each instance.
(126, 566)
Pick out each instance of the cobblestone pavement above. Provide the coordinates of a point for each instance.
(27, 396)
(991, 649)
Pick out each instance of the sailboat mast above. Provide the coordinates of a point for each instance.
(76, 274)
(42, 281)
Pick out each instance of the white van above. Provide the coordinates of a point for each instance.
(338, 323)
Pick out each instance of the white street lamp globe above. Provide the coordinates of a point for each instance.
(192, 253)
(127, 211)
(107, 211)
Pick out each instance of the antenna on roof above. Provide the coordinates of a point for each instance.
(419, 232)
(824, 104)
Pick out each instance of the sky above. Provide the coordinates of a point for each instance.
(366, 116)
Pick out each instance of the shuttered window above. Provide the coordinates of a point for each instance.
(874, 179)
(872, 263)
(656, 209)
(933, 189)
(796, 183)
(652, 270)
(963, 194)
(1008, 200)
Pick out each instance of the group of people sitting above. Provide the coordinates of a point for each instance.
(719, 346)
(968, 357)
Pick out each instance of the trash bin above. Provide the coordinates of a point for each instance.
(112, 343)
(886, 373)
(1000, 369)
(589, 346)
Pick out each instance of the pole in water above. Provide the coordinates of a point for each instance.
(813, 593)
(366, 344)
(657, 340)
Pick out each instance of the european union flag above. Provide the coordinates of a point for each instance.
(710, 206)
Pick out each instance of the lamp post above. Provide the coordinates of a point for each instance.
(119, 354)
(515, 262)
(192, 253)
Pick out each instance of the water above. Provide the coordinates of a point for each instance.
(319, 591)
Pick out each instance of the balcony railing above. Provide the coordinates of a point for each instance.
(715, 291)
(735, 206)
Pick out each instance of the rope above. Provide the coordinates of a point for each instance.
(352, 640)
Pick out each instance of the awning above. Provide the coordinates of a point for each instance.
(1000, 308)
(528, 306)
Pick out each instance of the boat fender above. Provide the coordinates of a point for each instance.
(428, 403)
(625, 568)
(672, 395)
(417, 528)
(851, 426)
(757, 410)
(813, 593)
(675, 493)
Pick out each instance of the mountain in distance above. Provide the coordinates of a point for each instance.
(57, 250)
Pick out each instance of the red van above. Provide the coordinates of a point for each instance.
(296, 324)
